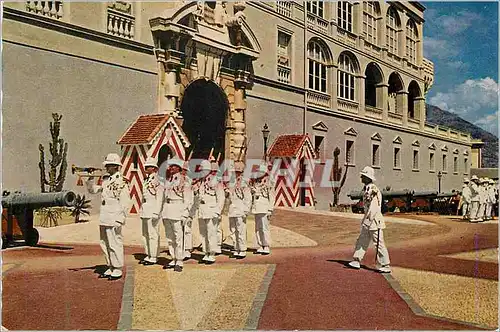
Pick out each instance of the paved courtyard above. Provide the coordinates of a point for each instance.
(445, 276)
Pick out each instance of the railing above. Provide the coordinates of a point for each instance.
(52, 9)
(120, 24)
(373, 112)
(429, 128)
(413, 123)
(347, 105)
(318, 98)
(346, 37)
(453, 134)
(317, 23)
(284, 74)
(394, 58)
(396, 118)
(284, 8)
(372, 48)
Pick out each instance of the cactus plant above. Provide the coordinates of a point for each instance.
(337, 176)
(58, 150)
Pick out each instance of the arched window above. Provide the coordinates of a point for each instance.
(346, 77)
(370, 21)
(315, 7)
(317, 67)
(344, 17)
(392, 28)
(411, 41)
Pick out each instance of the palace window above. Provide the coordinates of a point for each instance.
(397, 158)
(315, 7)
(392, 27)
(317, 67)
(415, 160)
(432, 164)
(370, 16)
(349, 152)
(445, 163)
(411, 41)
(319, 146)
(284, 57)
(344, 15)
(346, 77)
(466, 166)
(455, 164)
(375, 155)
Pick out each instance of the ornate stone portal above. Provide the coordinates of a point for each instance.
(201, 40)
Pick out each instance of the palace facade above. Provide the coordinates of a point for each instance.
(349, 74)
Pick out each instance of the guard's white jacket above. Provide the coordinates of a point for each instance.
(115, 199)
(466, 194)
(474, 189)
(372, 203)
(178, 198)
(211, 197)
(491, 194)
(152, 199)
(240, 198)
(262, 196)
(483, 195)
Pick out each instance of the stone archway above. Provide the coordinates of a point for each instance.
(200, 42)
(205, 108)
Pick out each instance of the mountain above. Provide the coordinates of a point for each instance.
(435, 115)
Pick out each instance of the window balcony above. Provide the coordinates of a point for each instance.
(347, 105)
(317, 98)
(317, 23)
(284, 74)
(373, 112)
(284, 8)
(346, 37)
(53, 9)
(120, 24)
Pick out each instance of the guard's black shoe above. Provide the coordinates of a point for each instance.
(148, 263)
(178, 268)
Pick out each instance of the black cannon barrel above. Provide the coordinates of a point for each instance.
(448, 194)
(425, 193)
(385, 194)
(38, 200)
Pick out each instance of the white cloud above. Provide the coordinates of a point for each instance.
(474, 100)
(439, 48)
(459, 22)
(457, 65)
(489, 123)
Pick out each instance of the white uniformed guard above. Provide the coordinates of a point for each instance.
(188, 226)
(211, 202)
(490, 191)
(262, 208)
(474, 189)
(372, 224)
(152, 202)
(466, 199)
(177, 203)
(483, 198)
(114, 208)
(240, 200)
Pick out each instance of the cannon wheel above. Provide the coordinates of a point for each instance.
(32, 237)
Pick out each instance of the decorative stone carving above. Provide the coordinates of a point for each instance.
(121, 6)
(209, 62)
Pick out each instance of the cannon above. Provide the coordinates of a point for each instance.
(17, 213)
(400, 199)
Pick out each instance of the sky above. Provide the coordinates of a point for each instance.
(461, 38)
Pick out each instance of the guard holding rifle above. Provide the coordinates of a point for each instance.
(263, 195)
(176, 207)
(466, 199)
(211, 202)
(188, 226)
(150, 211)
(372, 224)
(240, 200)
(114, 208)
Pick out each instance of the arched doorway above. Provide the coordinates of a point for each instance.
(413, 94)
(395, 87)
(204, 108)
(373, 80)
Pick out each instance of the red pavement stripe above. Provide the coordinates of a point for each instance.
(314, 295)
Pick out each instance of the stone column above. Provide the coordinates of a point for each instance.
(382, 100)
(238, 120)
(420, 46)
(420, 111)
(171, 89)
(357, 24)
(334, 86)
(402, 105)
(381, 30)
(361, 95)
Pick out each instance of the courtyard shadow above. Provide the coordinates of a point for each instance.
(345, 264)
(98, 269)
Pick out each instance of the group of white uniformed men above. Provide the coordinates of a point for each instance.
(478, 199)
(176, 202)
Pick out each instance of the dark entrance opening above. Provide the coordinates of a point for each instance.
(204, 108)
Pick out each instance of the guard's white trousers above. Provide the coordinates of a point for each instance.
(188, 235)
(218, 222)
(262, 231)
(208, 230)
(489, 208)
(365, 237)
(111, 241)
(151, 237)
(174, 234)
(465, 209)
(481, 211)
(474, 209)
(238, 227)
